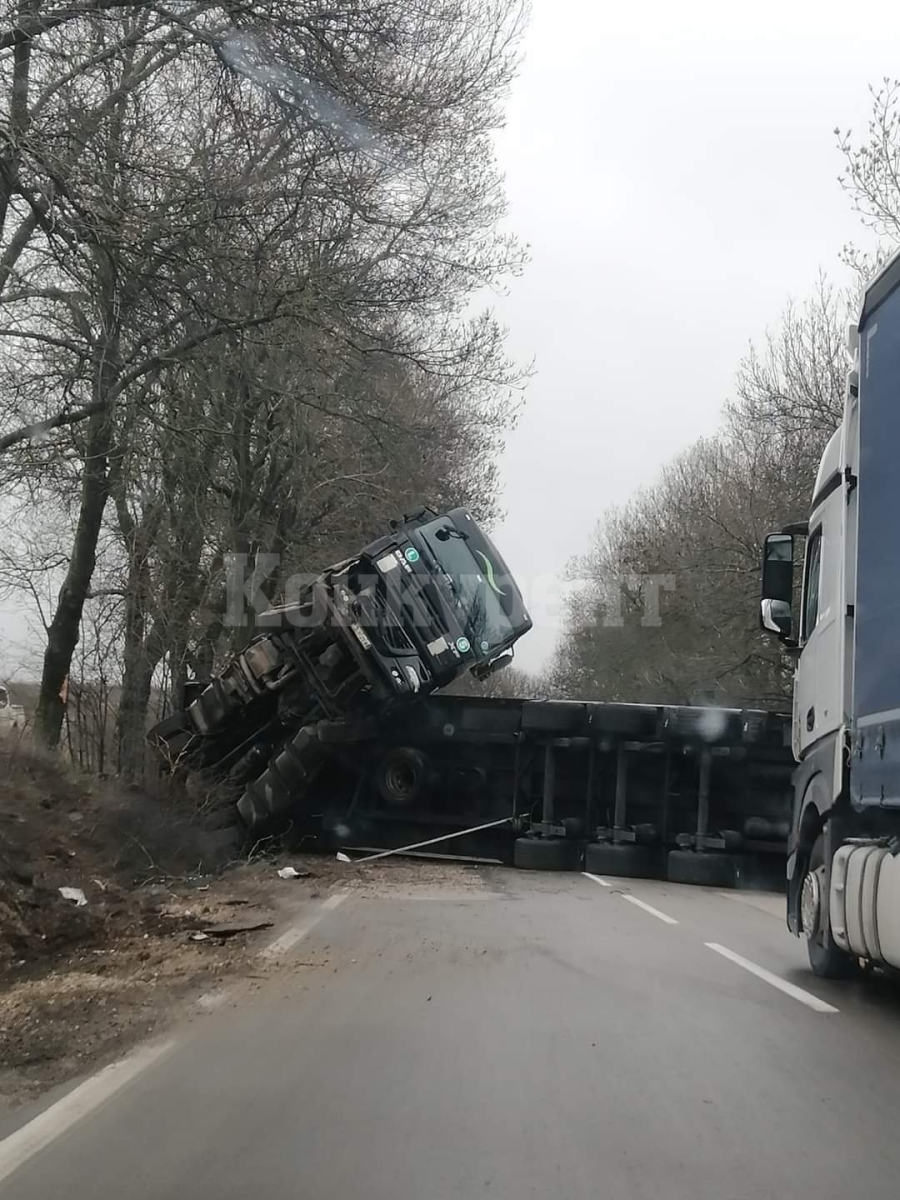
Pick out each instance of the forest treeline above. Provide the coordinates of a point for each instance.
(695, 536)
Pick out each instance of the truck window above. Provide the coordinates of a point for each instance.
(811, 583)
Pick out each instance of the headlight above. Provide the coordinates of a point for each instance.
(413, 676)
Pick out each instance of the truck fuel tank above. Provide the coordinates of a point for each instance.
(865, 901)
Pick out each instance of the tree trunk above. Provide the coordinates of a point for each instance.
(132, 716)
(144, 650)
(65, 627)
(129, 718)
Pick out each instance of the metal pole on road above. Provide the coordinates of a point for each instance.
(446, 837)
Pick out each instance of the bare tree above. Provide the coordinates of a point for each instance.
(700, 528)
(793, 386)
(260, 175)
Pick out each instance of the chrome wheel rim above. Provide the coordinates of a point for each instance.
(810, 904)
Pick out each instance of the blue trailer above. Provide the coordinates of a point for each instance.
(841, 621)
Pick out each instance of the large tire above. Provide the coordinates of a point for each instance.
(702, 869)
(402, 776)
(172, 737)
(180, 746)
(213, 708)
(175, 723)
(627, 861)
(826, 959)
(574, 827)
(284, 783)
(546, 854)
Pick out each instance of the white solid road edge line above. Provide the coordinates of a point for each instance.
(34, 1137)
(654, 912)
(789, 989)
(45, 1128)
(596, 879)
(296, 933)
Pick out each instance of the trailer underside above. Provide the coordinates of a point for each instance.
(699, 795)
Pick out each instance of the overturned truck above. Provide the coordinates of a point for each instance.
(328, 722)
(414, 610)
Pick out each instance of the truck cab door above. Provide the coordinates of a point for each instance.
(818, 704)
(805, 689)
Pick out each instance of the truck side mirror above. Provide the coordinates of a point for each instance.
(483, 671)
(777, 585)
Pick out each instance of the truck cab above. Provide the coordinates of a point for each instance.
(427, 603)
(416, 608)
(838, 617)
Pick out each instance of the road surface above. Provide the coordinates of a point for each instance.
(536, 1036)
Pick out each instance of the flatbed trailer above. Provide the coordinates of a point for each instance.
(696, 795)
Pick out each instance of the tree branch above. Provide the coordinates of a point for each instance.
(29, 27)
(170, 355)
(46, 339)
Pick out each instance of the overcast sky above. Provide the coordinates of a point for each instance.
(674, 168)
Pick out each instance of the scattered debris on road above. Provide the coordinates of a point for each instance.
(80, 983)
(76, 895)
(293, 873)
(227, 931)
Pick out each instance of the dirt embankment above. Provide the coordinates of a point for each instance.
(162, 919)
(80, 977)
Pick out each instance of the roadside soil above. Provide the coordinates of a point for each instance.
(164, 919)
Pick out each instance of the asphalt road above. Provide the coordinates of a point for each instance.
(539, 1037)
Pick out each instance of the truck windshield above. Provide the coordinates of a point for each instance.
(482, 602)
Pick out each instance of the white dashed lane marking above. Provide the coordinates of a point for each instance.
(776, 981)
(654, 912)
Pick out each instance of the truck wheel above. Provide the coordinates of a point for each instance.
(629, 861)
(402, 776)
(172, 736)
(176, 722)
(574, 827)
(705, 870)
(284, 782)
(546, 854)
(826, 959)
